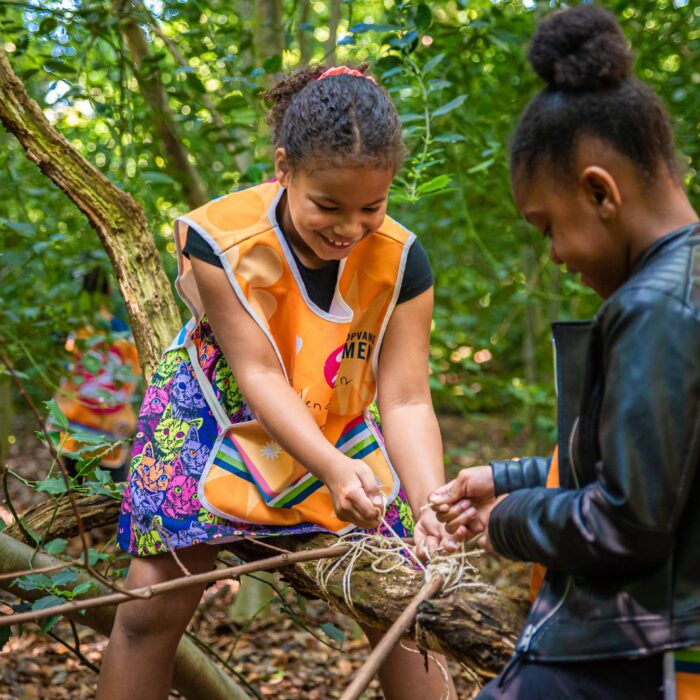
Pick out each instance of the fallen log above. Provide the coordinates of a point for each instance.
(477, 626)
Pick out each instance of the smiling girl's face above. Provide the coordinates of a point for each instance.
(328, 211)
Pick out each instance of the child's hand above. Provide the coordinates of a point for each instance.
(463, 505)
(429, 535)
(356, 496)
(474, 485)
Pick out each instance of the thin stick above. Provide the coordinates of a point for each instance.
(177, 583)
(44, 570)
(391, 639)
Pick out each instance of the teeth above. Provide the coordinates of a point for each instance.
(337, 244)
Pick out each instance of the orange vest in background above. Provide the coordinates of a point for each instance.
(329, 357)
(96, 397)
(538, 570)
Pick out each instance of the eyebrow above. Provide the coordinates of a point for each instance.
(332, 201)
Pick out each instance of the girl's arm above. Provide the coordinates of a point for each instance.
(277, 406)
(409, 425)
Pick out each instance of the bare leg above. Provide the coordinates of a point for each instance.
(138, 662)
(403, 675)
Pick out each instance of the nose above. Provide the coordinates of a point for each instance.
(349, 229)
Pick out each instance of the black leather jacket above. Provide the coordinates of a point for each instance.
(621, 536)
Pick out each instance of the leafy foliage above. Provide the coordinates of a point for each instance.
(457, 72)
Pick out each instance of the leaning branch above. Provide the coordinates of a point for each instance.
(116, 217)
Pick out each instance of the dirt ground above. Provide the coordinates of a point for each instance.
(272, 652)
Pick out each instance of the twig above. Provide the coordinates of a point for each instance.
(76, 649)
(225, 663)
(391, 639)
(11, 507)
(44, 570)
(177, 583)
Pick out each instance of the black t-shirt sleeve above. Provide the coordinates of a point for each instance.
(417, 276)
(416, 279)
(197, 247)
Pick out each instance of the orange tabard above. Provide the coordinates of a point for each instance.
(329, 358)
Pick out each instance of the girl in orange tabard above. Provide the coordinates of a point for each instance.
(308, 302)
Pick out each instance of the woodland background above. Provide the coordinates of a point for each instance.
(163, 97)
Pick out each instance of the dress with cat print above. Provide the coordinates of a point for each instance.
(161, 509)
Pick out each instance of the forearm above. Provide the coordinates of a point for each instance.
(577, 531)
(414, 445)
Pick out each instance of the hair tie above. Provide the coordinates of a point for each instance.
(344, 70)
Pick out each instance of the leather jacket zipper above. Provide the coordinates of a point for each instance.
(531, 630)
(572, 461)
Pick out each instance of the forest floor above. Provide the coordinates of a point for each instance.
(279, 657)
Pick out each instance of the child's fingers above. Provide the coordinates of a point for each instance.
(444, 494)
(369, 485)
(468, 519)
(445, 513)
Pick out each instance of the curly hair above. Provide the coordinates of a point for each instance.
(591, 90)
(340, 120)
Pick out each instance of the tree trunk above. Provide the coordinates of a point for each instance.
(195, 675)
(177, 156)
(303, 38)
(333, 21)
(116, 217)
(477, 626)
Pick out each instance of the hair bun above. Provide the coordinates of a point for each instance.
(580, 48)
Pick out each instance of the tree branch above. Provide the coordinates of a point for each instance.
(116, 217)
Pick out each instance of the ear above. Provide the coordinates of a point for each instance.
(283, 171)
(601, 190)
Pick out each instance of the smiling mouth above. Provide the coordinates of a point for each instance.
(337, 244)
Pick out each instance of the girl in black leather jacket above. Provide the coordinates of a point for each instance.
(594, 169)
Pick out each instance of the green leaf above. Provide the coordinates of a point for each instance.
(56, 413)
(83, 587)
(452, 104)
(432, 63)
(21, 227)
(48, 24)
(335, 633)
(423, 16)
(54, 66)
(363, 27)
(449, 138)
(55, 485)
(32, 582)
(481, 166)
(45, 625)
(5, 634)
(48, 601)
(157, 178)
(56, 546)
(273, 64)
(437, 183)
(64, 577)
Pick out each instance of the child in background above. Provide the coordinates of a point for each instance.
(307, 301)
(97, 393)
(594, 169)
